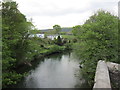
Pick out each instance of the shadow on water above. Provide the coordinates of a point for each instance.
(36, 62)
(58, 56)
(60, 70)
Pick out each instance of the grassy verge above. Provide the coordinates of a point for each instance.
(50, 49)
(23, 69)
(69, 37)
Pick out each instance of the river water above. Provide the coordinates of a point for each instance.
(55, 71)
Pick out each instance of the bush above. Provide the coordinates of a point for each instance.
(98, 40)
(56, 48)
(11, 78)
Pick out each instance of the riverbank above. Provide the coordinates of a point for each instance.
(24, 68)
(47, 50)
(60, 70)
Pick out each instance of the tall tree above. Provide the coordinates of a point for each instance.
(57, 28)
(14, 40)
(98, 41)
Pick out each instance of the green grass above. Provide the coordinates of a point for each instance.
(70, 37)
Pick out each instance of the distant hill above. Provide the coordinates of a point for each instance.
(65, 29)
(45, 30)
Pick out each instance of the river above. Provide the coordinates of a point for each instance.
(55, 71)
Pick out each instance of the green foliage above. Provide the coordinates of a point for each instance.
(33, 48)
(98, 40)
(57, 28)
(18, 47)
(76, 30)
(50, 49)
(68, 46)
(11, 78)
(56, 48)
(62, 33)
(15, 41)
(69, 37)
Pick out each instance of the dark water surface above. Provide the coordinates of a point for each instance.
(55, 71)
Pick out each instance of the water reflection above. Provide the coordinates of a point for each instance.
(56, 71)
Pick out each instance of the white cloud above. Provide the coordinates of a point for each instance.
(67, 13)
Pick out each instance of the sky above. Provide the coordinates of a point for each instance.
(66, 13)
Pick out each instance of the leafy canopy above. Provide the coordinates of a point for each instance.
(57, 28)
(98, 40)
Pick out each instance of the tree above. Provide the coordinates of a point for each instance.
(98, 40)
(15, 43)
(76, 30)
(57, 28)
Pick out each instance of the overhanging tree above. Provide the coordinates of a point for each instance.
(15, 43)
(98, 40)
